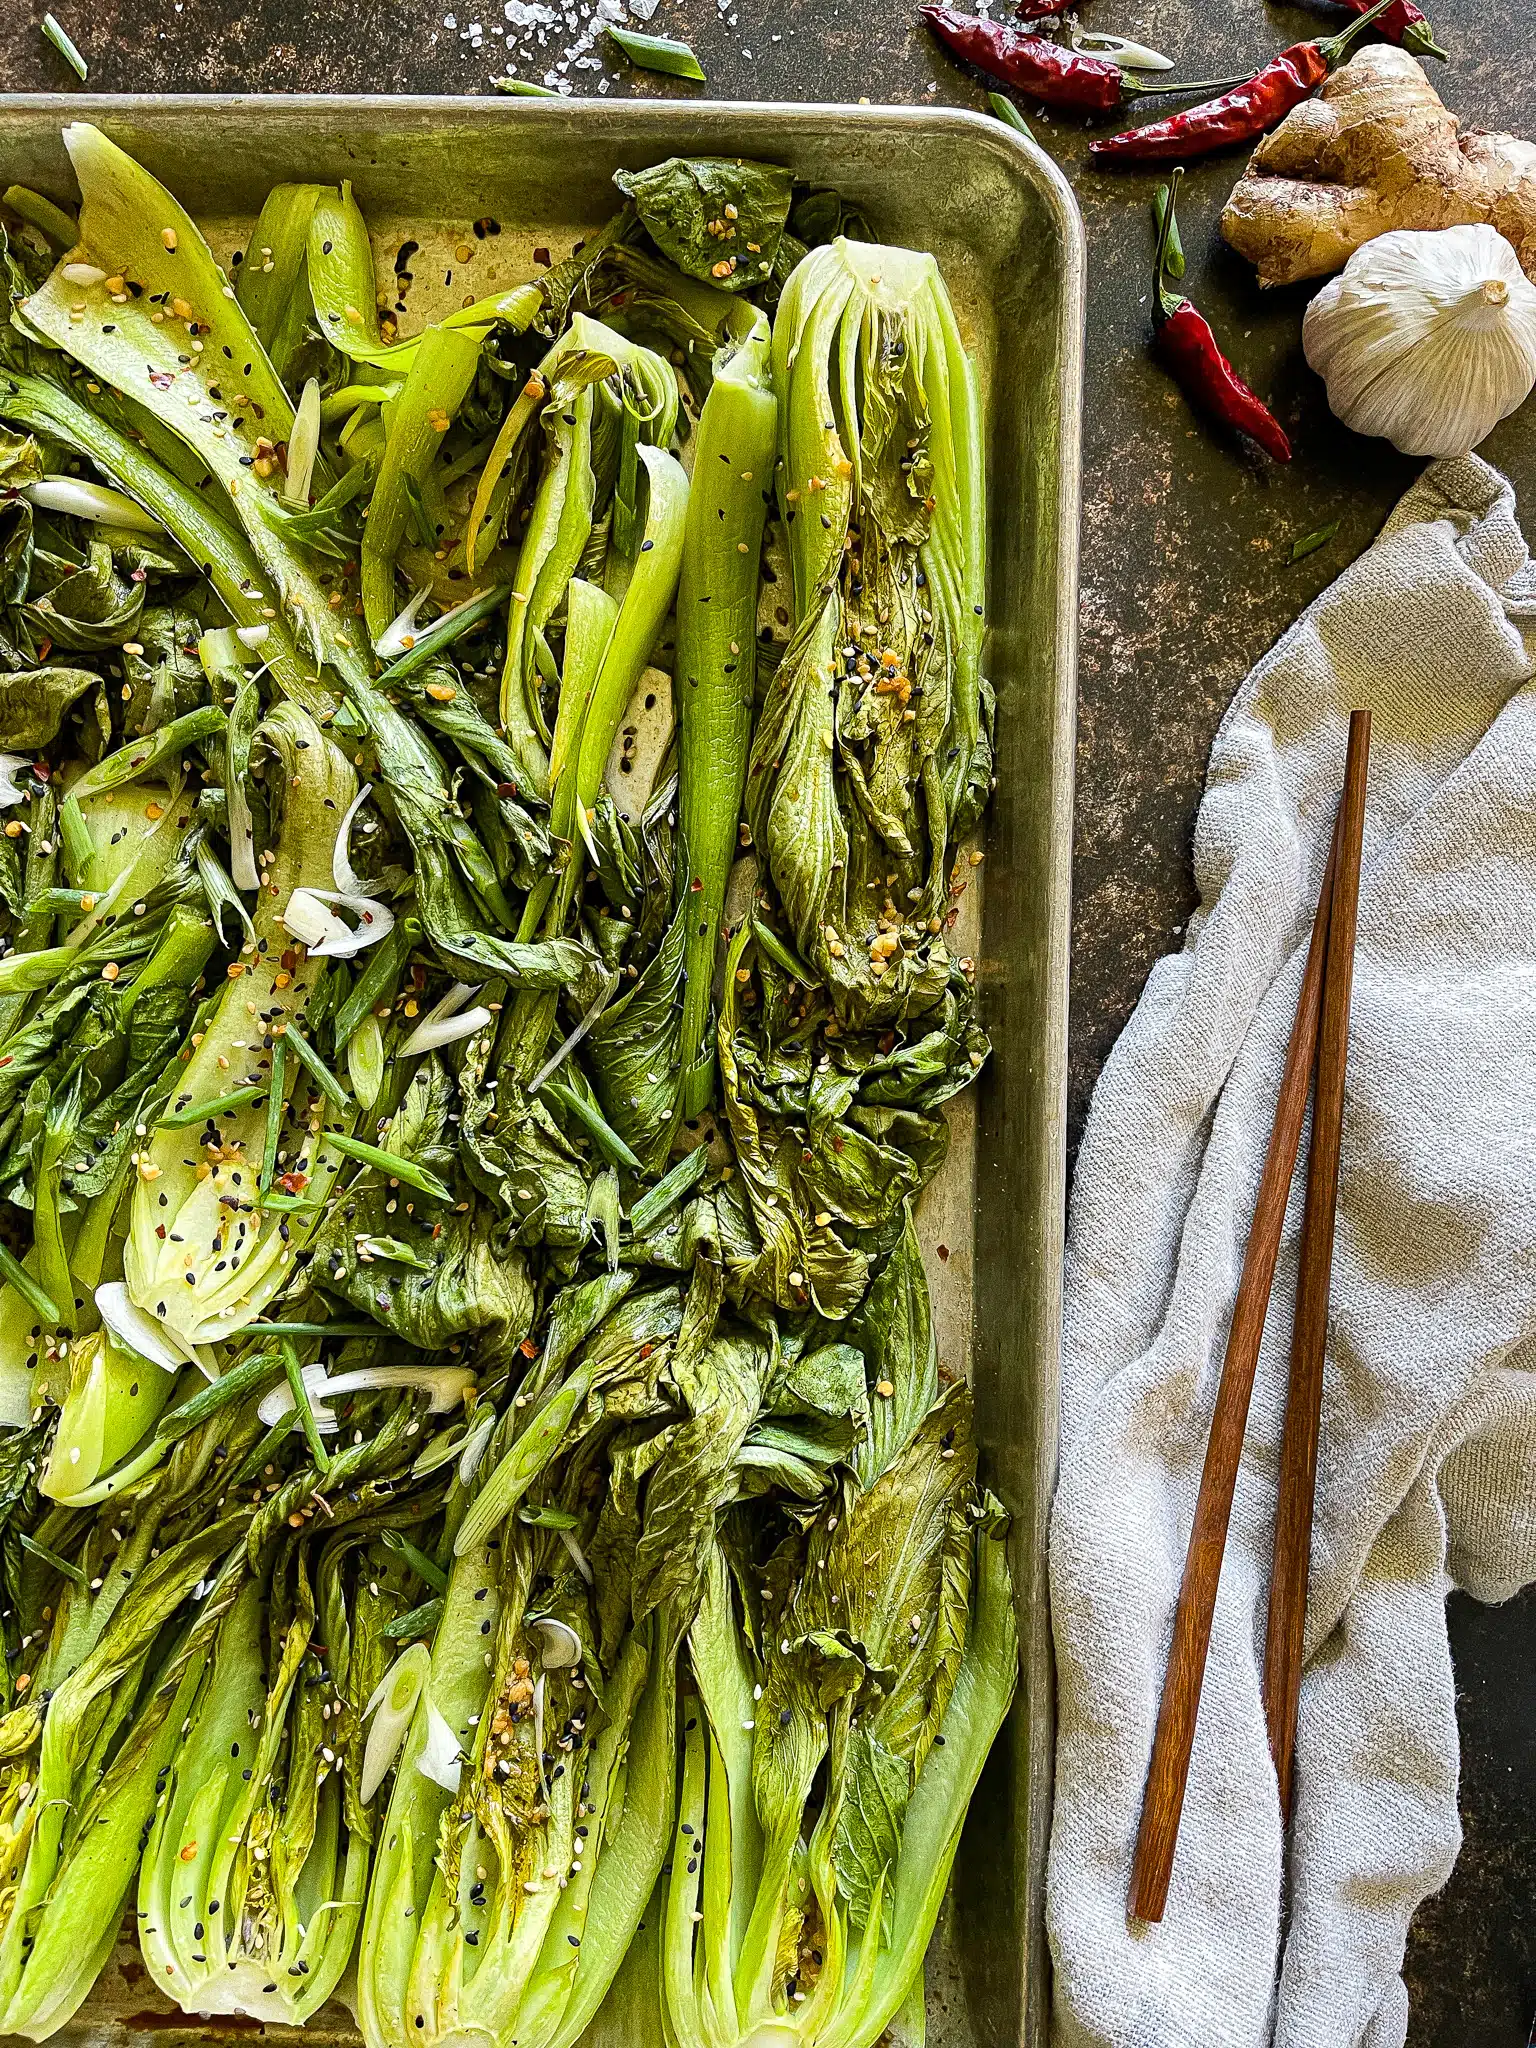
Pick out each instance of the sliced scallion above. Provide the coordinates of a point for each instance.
(418, 1621)
(305, 1412)
(1009, 114)
(658, 53)
(319, 1072)
(52, 1557)
(669, 1191)
(391, 1163)
(42, 214)
(429, 1573)
(200, 1112)
(251, 1376)
(13, 1270)
(60, 38)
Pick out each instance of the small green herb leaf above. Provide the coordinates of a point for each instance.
(1311, 542)
(200, 1112)
(1008, 114)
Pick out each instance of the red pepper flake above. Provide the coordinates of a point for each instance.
(293, 1183)
(543, 258)
(528, 1348)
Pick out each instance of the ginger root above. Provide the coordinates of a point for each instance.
(1376, 149)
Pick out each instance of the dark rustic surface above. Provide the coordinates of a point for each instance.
(1186, 577)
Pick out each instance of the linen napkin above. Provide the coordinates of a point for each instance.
(1427, 1474)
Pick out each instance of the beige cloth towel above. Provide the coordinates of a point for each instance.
(1428, 1463)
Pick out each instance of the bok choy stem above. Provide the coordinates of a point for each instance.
(716, 665)
(441, 373)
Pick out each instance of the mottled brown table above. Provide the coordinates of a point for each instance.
(1186, 572)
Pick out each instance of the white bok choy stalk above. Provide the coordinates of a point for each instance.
(526, 1824)
(79, 1777)
(114, 1396)
(205, 1250)
(511, 1875)
(872, 753)
(717, 665)
(824, 1784)
(252, 1883)
(608, 640)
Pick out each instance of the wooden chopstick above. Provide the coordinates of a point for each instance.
(1298, 1451)
(1168, 1775)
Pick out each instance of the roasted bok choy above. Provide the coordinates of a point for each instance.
(487, 792)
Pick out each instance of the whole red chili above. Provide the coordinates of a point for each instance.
(1194, 360)
(1245, 113)
(1403, 23)
(1037, 67)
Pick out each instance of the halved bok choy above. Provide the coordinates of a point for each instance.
(207, 1248)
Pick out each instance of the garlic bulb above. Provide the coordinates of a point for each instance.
(1428, 339)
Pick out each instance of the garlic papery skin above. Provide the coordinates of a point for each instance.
(1427, 339)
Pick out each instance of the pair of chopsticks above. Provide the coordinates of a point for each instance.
(1319, 1038)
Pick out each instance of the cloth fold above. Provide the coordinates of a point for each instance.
(1428, 1448)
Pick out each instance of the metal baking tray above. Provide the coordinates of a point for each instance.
(1006, 231)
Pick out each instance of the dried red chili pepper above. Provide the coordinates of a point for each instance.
(1037, 67)
(1403, 23)
(1194, 360)
(1245, 113)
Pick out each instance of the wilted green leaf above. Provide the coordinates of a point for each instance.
(33, 703)
(716, 218)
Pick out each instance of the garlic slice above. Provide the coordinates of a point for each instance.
(91, 501)
(11, 791)
(447, 1020)
(394, 1699)
(343, 874)
(323, 934)
(400, 635)
(1119, 50)
(560, 1646)
(446, 1384)
(440, 1760)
